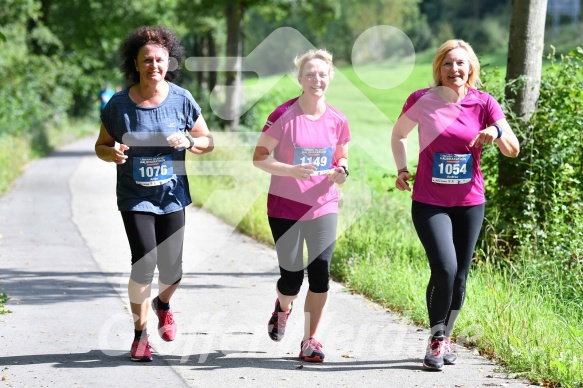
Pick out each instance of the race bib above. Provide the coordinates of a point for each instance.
(153, 170)
(452, 169)
(320, 157)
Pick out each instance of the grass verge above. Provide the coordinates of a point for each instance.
(17, 151)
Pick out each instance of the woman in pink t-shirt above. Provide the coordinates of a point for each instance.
(304, 147)
(454, 121)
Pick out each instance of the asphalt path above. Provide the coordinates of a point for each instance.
(64, 263)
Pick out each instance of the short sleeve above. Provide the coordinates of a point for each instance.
(193, 110)
(344, 134)
(410, 108)
(495, 111)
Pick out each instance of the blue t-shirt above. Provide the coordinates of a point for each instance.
(153, 179)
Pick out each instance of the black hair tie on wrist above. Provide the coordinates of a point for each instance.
(345, 170)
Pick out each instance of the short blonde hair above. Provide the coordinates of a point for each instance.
(322, 54)
(474, 76)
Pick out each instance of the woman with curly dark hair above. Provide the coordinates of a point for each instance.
(145, 130)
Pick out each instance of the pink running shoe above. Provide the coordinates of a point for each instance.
(449, 356)
(277, 322)
(434, 354)
(141, 350)
(311, 351)
(166, 325)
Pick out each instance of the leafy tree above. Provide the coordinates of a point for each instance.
(36, 94)
(91, 32)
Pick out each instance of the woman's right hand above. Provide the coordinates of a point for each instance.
(402, 179)
(118, 156)
(303, 171)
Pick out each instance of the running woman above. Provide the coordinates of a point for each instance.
(146, 130)
(304, 146)
(455, 120)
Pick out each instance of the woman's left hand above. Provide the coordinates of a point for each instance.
(337, 175)
(178, 140)
(485, 136)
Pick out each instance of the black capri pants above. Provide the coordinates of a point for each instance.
(289, 236)
(155, 239)
(449, 236)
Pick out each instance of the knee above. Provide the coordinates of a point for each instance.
(319, 278)
(143, 269)
(444, 275)
(291, 283)
(170, 273)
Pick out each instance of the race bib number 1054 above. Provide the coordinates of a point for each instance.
(452, 169)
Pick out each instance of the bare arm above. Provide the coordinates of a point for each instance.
(401, 130)
(105, 148)
(507, 143)
(263, 160)
(203, 139)
(338, 175)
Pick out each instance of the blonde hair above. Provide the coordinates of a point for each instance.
(474, 76)
(322, 54)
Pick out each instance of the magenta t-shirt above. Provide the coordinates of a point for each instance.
(448, 172)
(299, 137)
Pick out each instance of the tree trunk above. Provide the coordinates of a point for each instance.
(211, 53)
(525, 53)
(233, 100)
(199, 43)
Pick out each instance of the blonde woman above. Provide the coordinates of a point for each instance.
(304, 147)
(455, 120)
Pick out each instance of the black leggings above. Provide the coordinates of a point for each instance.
(289, 236)
(449, 236)
(155, 239)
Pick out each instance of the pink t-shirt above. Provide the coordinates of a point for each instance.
(301, 138)
(448, 172)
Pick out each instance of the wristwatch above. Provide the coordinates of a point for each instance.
(345, 170)
(191, 140)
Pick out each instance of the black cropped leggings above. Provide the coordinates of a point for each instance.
(155, 239)
(289, 236)
(449, 236)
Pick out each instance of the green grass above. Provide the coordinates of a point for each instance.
(3, 299)
(17, 151)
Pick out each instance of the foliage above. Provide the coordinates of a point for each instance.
(483, 23)
(4, 298)
(540, 217)
(346, 20)
(91, 39)
(38, 93)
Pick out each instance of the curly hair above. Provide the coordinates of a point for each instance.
(160, 36)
